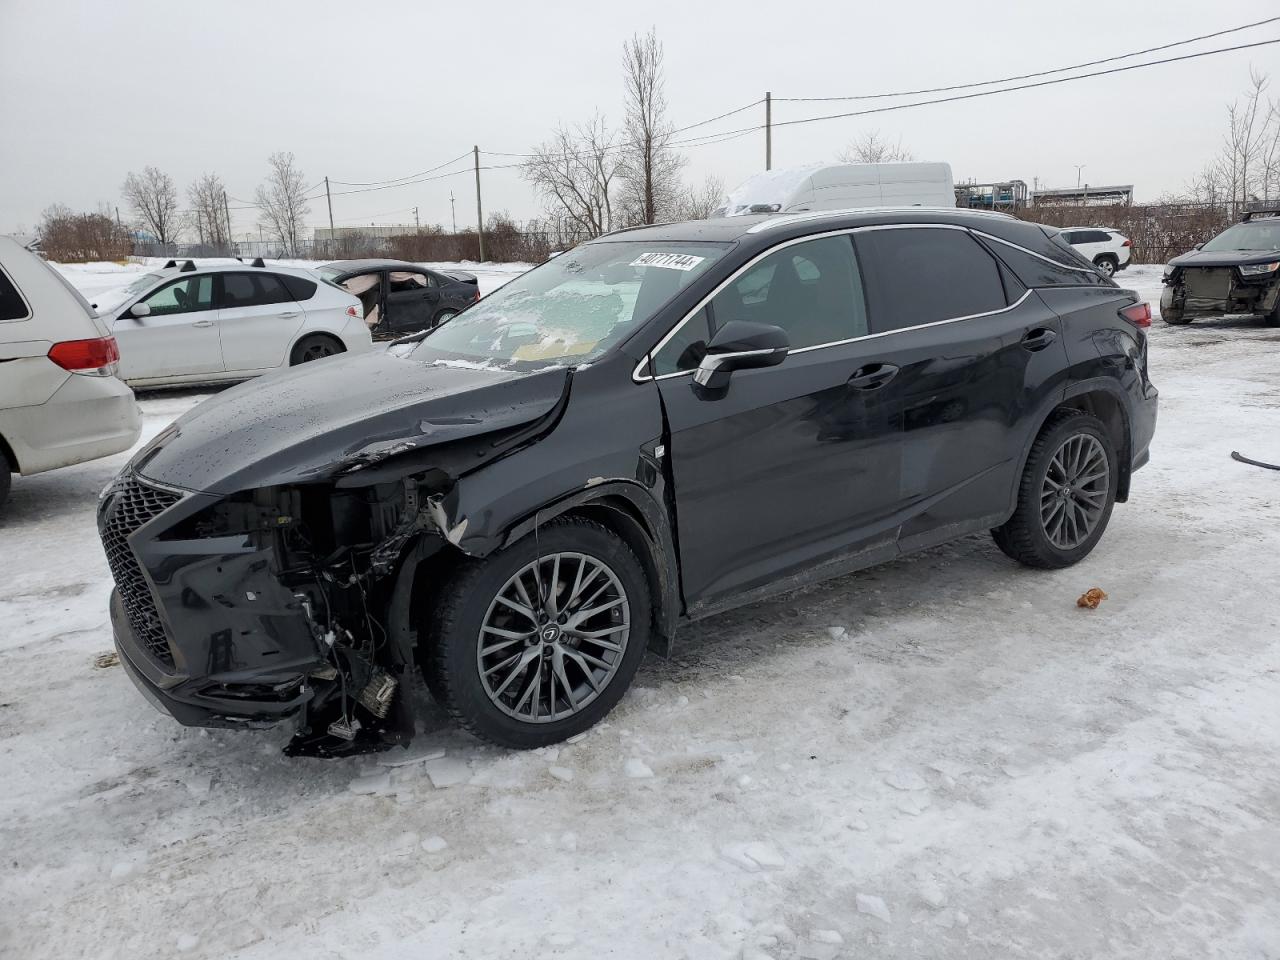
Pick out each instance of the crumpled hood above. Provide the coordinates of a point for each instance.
(1223, 258)
(313, 420)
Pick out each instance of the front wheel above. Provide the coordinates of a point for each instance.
(539, 641)
(1066, 494)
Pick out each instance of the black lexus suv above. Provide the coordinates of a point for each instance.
(658, 425)
(1237, 272)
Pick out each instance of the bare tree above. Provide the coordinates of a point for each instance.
(282, 202)
(699, 201)
(873, 148)
(1249, 162)
(154, 199)
(650, 173)
(574, 173)
(205, 197)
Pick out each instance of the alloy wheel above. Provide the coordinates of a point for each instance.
(317, 351)
(1074, 494)
(553, 637)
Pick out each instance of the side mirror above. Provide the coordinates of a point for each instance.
(140, 310)
(740, 345)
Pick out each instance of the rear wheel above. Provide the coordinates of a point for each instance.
(444, 316)
(315, 347)
(539, 641)
(1107, 266)
(1174, 317)
(1065, 498)
(6, 480)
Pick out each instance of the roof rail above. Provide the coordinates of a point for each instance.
(638, 226)
(170, 265)
(1262, 213)
(188, 267)
(257, 262)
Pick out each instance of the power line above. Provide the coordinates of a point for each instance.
(1024, 86)
(394, 180)
(1029, 76)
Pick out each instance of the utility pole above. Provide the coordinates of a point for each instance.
(118, 223)
(226, 213)
(768, 130)
(1079, 167)
(453, 212)
(479, 210)
(416, 225)
(329, 200)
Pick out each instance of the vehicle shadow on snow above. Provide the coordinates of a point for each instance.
(705, 653)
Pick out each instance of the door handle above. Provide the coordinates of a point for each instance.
(1039, 338)
(202, 323)
(873, 376)
(291, 313)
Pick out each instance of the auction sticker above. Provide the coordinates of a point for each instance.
(672, 261)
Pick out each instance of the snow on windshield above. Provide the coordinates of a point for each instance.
(572, 308)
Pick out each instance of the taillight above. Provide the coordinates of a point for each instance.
(1139, 314)
(1127, 243)
(97, 357)
(477, 296)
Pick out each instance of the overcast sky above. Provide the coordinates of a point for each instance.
(90, 90)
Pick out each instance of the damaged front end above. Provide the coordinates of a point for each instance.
(273, 603)
(1195, 291)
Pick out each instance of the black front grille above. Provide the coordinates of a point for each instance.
(133, 504)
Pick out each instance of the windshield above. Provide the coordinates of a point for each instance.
(1261, 235)
(572, 308)
(144, 282)
(329, 272)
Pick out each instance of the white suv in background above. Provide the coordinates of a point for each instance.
(195, 323)
(1108, 249)
(61, 399)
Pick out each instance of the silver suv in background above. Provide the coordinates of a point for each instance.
(61, 398)
(1108, 249)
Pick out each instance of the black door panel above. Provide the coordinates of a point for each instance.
(411, 300)
(790, 467)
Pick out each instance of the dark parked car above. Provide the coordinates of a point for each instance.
(1237, 272)
(658, 425)
(400, 297)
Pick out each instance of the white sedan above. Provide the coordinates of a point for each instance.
(190, 323)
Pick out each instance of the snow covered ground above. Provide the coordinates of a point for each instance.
(940, 757)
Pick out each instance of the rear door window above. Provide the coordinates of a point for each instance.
(253, 290)
(12, 306)
(922, 275)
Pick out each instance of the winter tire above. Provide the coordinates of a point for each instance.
(1065, 496)
(1174, 318)
(444, 316)
(1107, 266)
(540, 641)
(6, 480)
(315, 347)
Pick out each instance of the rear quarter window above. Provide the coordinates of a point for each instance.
(12, 306)
(299, 288)
(1059, 266)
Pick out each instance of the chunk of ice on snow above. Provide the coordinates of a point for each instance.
(637, 768)
(873, 906)
(932, 894)
(375, 784)
(434, 844)
(904, 778)
(121, 870)
(837, 633)
(186, 942)
(447, 772)
(561, 773)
